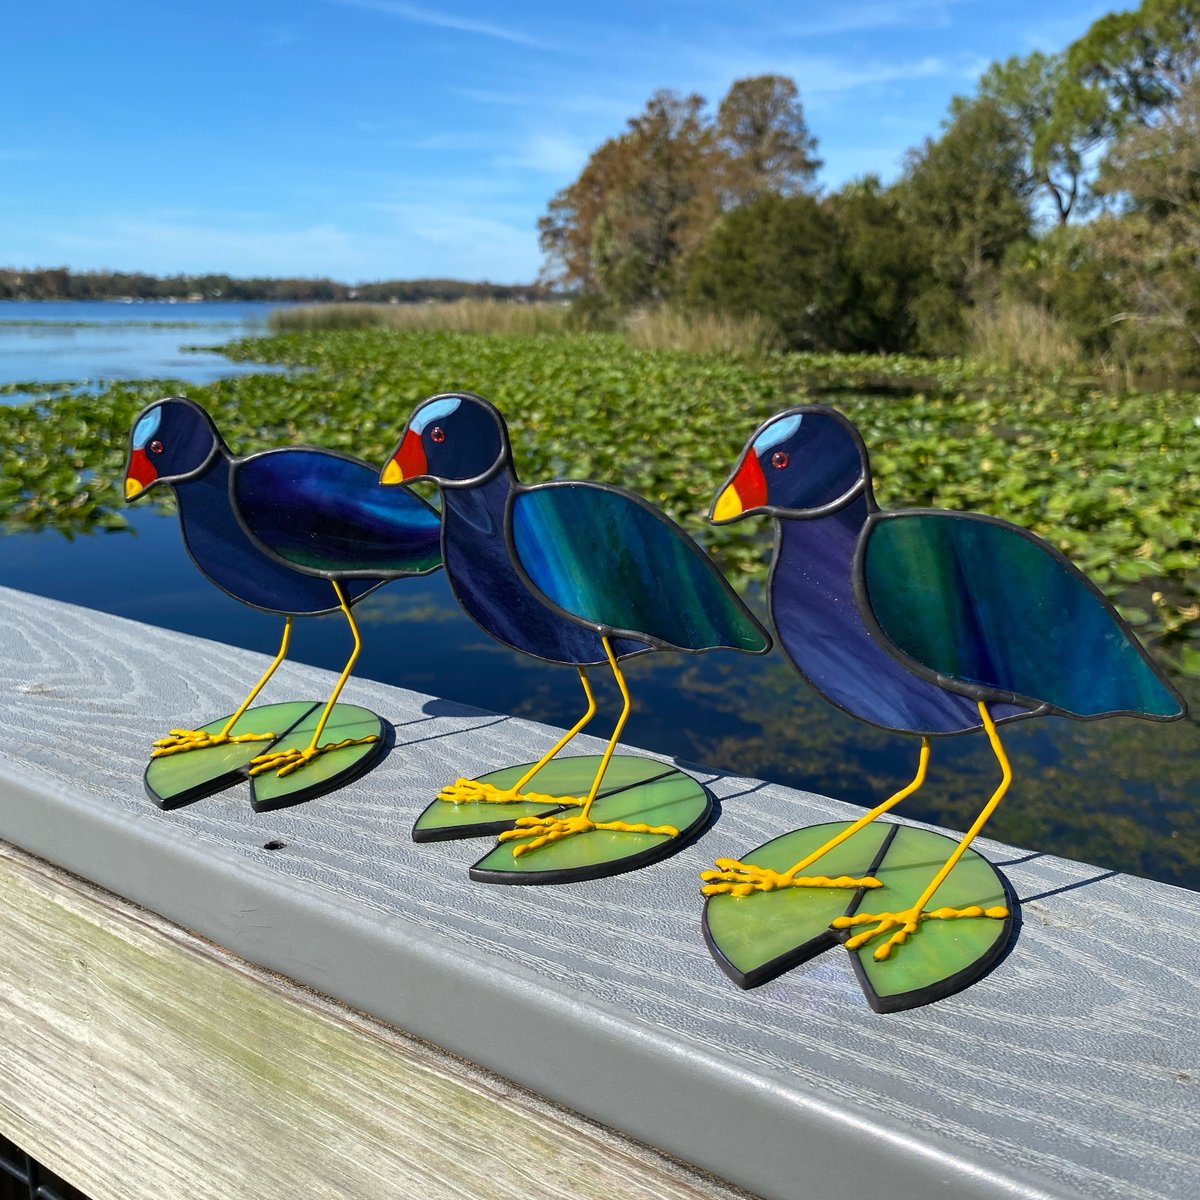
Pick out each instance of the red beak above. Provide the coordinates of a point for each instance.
(408, 462)
(139, 474)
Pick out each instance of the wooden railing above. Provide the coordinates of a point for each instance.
(186, 1013)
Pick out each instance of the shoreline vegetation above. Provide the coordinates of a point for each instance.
(1108, 476)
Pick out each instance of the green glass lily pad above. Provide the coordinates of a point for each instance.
(570, 777)
(178, 779)
(942, 957)
(757, 937)
(666, 797)
(327, 771)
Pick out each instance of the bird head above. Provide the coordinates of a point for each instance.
(456, 440)
(804, 462)
(172, 440)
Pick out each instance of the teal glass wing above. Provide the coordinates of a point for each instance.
(605, 557)
(327, 513)
(991, 607)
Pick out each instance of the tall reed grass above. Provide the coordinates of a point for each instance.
(700, 332)
(459, 316)
(648, 329)
(1017, 335)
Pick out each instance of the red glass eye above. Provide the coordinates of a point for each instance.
(155, 447)
(780, 459)
(437, 434)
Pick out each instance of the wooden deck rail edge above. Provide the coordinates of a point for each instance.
(1069, 1071)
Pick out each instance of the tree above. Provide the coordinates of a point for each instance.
(656, 190)
(1152, 243)
(776, 258)
(1141, 60)
(643, 202)
(966, 199)
(1058, 117)
(767, 147)
(881, 269)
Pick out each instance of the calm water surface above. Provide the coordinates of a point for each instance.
(46, 341)
(1119, 793)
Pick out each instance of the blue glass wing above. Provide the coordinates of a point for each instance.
(329, 515)
(220, 547)
(990, 606)
(492, 591)
(821, 630)
(609, 559)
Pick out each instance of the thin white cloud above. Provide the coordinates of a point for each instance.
(547, 153)
(864, 18)
(606, 106)
(824, 76)
(427, 16)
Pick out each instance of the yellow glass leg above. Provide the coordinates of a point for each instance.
(544, 830)
(905, 923)
(181, 740)
(285, 762)
(737, 878)
(463, 791)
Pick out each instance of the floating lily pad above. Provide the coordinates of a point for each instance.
(327, 771)
(757, 937)
(666, 796)
(178, 779)
(567, 777)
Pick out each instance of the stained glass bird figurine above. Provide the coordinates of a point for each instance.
(296, 531)
(581, 574)
(920, 621)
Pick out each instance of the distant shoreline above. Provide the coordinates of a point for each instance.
(131, 287)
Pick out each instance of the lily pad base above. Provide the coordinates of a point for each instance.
(758, 937)
(178, 779)
(636, 790)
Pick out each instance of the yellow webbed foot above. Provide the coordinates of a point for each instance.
(180, 741)
(472, 791)
(287, 762)
(544, 830)
(905, 923)
(736, 878)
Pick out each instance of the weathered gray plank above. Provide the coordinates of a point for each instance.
(1070, 1070)
(140, 1061)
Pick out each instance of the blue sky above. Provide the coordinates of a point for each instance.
(381, 139)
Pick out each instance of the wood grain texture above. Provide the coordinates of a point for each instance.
(1071, 1070)
(139, 1061)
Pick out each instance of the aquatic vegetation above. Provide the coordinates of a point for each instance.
(1111, 479)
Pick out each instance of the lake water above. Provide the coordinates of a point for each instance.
(1119, 793)
(47, 341)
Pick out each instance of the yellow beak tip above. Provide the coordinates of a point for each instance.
(728, 505)
(132, 489)
(392, 473)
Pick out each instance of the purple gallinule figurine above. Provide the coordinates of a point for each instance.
(580, 574)
(925, 622)
(295, 531)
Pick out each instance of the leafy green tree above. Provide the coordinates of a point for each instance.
(882, 270)
(965, 198)
(1140, 60)
(1059, 118)
(777, 258)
